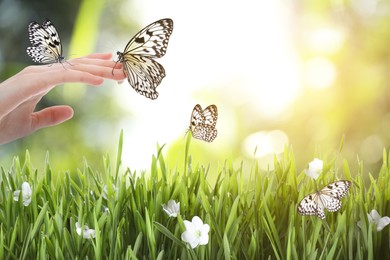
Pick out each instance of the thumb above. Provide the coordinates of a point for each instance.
(50, 116)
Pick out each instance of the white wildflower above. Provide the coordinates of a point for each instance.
(315, 168)
(173, 208)
(196, 232)
(85, 232)
(374, 217)
(26, 194)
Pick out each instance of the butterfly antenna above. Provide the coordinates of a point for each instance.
(65, 61)
(63, 66)
(62, 63)
(62, 60)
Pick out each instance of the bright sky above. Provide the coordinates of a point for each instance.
(221, 52)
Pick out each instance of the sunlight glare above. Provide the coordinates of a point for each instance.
(326, 40)
(320, 73)
(246, 54)
(265, 143)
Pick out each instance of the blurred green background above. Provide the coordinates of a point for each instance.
(305, 74)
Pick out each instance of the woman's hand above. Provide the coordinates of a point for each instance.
(20, 94)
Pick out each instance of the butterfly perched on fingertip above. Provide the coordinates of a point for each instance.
(46, 43)
(203, 122)
(143, 73)
(326, 198)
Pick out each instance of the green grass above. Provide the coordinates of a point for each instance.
(252, 215)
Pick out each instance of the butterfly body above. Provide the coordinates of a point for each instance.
(203, 122)
(46, 43)
(143, 73)
(326, 198)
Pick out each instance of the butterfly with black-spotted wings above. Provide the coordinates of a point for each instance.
(327, 198)
(143, 73)
(46, 43)
(203, 122)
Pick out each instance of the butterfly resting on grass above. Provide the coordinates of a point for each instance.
(327, 198)
(46, 43)
(143, 73)
(203, 122)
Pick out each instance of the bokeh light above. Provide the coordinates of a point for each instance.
(265, 143)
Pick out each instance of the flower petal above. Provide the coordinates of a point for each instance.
(206, 228)
(204, 234)
(89, 233)
(189, 226)
(383, 222)
(172, 209)
(26, 201)
(194, 243)
(16, 195)
(166, 209)
(204, 239)
(190, 238)
(197, 222)
(173, 214)
(85, 231)
(26, 189)
(171, 203)
(315, 168)
(78, 228)
(374, 216)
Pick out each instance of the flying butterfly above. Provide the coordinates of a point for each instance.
(327, 198)
(143, 73)
(46, 43)
(203, 122)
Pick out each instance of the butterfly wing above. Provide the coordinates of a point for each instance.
(197, 118)
(152, 41)
(329, 202)
(210, 134)
(203, 123)
(328, 197)
(46, 43)
(42, 54)
(143, 73)
(309, 206)
(198, 132)
(210, 114)
(204, 132)
(332, 193)
(336, 189)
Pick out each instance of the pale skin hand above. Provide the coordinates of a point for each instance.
(20, 94)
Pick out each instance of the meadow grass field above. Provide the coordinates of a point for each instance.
(118, 214)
